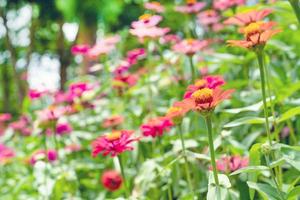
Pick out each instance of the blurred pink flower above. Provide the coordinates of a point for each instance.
(152, 32)
(169, 38)
(154, 6)
(113, 143)
(63, 128)
(6, 154)
(156, 126)
(20, 124)
(135, 54)
(231, 163)
(4, 117)
(190, 46)
(192, 6)
(80, 49)
(123, 81)
(208, 17)
(49, 155)
(72, 148)
(103, 46)
(146, 21)
(225, 4)
(35, 94)
(113, 121)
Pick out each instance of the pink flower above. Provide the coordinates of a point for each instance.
(113, 121)
(50, 155)
(231, 163)
(190, 46)
(225, 4)
(6, 154)
(49, 116)
(103, 46)
(169, 38)
(154, 6)
(208, 17)
(113, 143)
(80, 49)
(135, 54)
(35, 94)
(192, 6)
(156, 127)
(124, 81)
(72, 148)
(152, 32)
(211, 82)
(4, 117)
(20, 124)
(146, 21)
(63, 128)
(111, 180)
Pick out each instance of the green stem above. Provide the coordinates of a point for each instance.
(211, 148)
(46, 170)
(260, 57)
(170, 192)
(127, 193)
(186, 167)
(296, 7)
(273, 177)
(192, 68)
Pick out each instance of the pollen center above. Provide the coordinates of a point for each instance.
(145, 17)
(252, 28)
(113, 136)
(202, 96)
(190, 41)
(156, 3)
(191, 2)
(174, 110)
(200, 83)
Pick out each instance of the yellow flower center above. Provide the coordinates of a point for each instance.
(191, 2)
(200, 83)
(145, 17)
(113, 136)
(156, 3)
(174, 110)
(253, 28)
(190, 41)
(204, 95)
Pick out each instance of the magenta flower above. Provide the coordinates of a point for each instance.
(80, 49)
(231, 163)
(51, 155)
(154, 6)
(192, 6)
(190, 46)
(135, 54)
(6, 154)
(113, 143)
(35, 94)
(63, 128)
(156, 126)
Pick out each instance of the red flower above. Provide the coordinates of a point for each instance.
(156, 127)
(113, 121)
(231, 163)
(111, 180)
(114, 143)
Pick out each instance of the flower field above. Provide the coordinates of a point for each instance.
(168, 100)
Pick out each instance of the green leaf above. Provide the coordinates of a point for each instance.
(294, 163)
(246, 120)
(254, 161)
(295, 192)
(289, 114)
(266, 191)
(249, 169)
(221, 192)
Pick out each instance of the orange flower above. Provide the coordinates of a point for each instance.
(244, 19)
(256, 34)
(176, 113)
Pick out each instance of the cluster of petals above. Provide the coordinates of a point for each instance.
(111, 180)
(230, 164)
(113, 121)
(50, 155)
(124, 81)
(146, 27)
(154, 6)
(226, 4)
(4, 117)
(22, 125)
(210, 19)
(63, 128)
(176, 113)
(191, 6)
(6, 154)
(35, 94)
(156, 126)
(169, 38)
(113, 143)
(190, 46)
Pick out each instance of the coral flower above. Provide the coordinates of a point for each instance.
(256, 35)
(230, 164)
(5, 117)
(50, 155)
(6, 154)
(80, 49)
(244, 19)
(113, 143)
(154, 6)
(210, 82)
(156, 126)
(175, 114)
(146, 21)
(113, 121)
(190, 46)
(192, 6)
(63, 128)
(225, 4)
(111, 180)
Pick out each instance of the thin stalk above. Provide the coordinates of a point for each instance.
(296, 7)
(292, 133)
(46, 171)
(273, 177)
(192, 68)
(186, 167)
(127, 193)
(170, 192)
(260, 57)
(211, 148)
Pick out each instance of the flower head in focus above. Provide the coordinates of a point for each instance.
(190, 46)
(191, 7)
(156, 126)
(111, 180)
(154, 6)
(113, 143)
